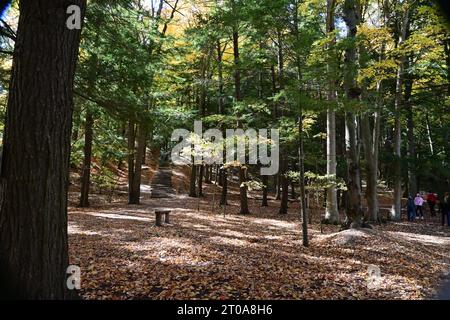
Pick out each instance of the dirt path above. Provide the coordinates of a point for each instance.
(161, 185)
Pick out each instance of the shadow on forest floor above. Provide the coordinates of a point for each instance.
(204, 255)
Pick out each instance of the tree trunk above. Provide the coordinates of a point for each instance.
(351, 12)
(284, 187)
(331, 212)
(135, 193)
(303, 206)
(412, 177)
(220, 78)
(399, 101)
(430, 139)
(35, 164)
(131, 137)
(201, 172)
(192, 184)
(86, 171)
(301, 150)
(238, 98)
(370, 141)
(265, 181)
(243, 191)
(223, 177)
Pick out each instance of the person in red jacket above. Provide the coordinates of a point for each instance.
(431, 199)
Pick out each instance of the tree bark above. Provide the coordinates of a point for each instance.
(284, 187)
(192, 184)
(223, 177)
(399, 101)
(331, 212)
(36, 148)
(371, 142)
(135, 192)
(301, 149)
(86, 171)
(220, 93)
(201, 172)
(238, 97)
(265, 181)
(412, 177)
(351, 12)
(131, 137)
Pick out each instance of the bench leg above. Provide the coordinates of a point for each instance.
(158, 219)
(167, 218)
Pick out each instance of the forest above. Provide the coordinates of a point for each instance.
(224, 149)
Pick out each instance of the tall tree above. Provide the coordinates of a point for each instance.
(86, 170)
(399, 102)
(352, 18)
(34, 171)
(238, 98)
(331, 212)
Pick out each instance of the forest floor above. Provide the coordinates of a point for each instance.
(206, 255)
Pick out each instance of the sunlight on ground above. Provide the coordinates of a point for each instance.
(119, 216)
(422, 238)
(230, 241)
(75, 229)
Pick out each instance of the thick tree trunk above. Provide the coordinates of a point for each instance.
(36, 147)
(192, 182)
(371, 141)
(351, 11)
(86, 170)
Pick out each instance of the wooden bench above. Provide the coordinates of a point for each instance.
(159, 214)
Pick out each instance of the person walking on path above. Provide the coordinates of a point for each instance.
(418, 202)
(431, 200)
(410, 209)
